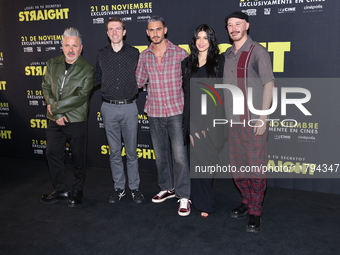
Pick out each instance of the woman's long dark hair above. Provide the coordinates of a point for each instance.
(212, 56)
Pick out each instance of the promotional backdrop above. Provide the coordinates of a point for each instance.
(302, 37)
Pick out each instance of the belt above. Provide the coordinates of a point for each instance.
(123, 101)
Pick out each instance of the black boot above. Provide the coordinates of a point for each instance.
(76, 197)
(240, 212)
(254, 224)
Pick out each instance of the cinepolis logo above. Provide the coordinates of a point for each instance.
(211, 92)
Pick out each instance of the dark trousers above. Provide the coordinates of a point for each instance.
(76, 135)
(203, 195)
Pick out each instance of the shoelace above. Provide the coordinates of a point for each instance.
(161, 193)
(184, 203)
(121, 194)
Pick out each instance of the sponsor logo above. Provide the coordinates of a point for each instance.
(250, 12)
(28, 49)
(286, 10)
(145, 128)
(143, 18)
(282, 137)
(267, 11)
(38, 152)
(33, 103)
(98, 21)
(126, 19)
(313, 8)
(303, 138)
(50, 48)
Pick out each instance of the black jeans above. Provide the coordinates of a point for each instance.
(76, 135)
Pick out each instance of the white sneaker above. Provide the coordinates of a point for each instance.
(163, 195)
(184, 207)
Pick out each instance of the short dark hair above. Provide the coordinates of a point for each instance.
(114, 19)
(155, 19)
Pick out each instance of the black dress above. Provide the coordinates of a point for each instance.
(202, 145)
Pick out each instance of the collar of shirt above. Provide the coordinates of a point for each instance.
(79, 62)
(170, 46)
(109, 47)
(244, 47)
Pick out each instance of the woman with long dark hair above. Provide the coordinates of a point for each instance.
(204, 61)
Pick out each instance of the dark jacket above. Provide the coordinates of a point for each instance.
(78, 84)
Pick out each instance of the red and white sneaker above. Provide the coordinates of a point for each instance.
(163, 195)
(184, 207)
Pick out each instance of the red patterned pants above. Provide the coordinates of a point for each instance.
(248, 153)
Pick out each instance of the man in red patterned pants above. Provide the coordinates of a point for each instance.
(248, 66)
